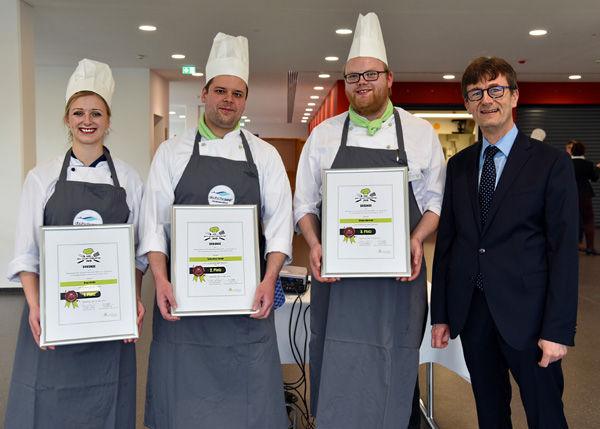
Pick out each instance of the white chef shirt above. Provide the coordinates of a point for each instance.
(426, 162)
(38, 188)
(168, 165)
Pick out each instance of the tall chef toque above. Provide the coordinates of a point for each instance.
(92, 76)
(368, 39)
(228, 56)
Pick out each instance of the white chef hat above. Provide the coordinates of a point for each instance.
(368, 39)
(228, 55)
(92, 76)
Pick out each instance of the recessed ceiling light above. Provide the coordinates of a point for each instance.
(171, 113)
(182, 116)
(306, 114)
(575, 77)
(343, 31)
(147, 27)
(324, 76)
(539, 32)
(449, 76)
(331, 58)
(198, 74)
(246, 120)
(311, 104)
(178, 56)
(314, 97)
(318, 88)
(244, 117)
(309, 109)
(304, 121)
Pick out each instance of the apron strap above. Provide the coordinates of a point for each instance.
(63, 171)
(249, 158)
(400, 152)
(345, 131)
(111, 166)
(67, 161)
(196, 148)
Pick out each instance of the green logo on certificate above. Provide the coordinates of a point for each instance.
(365, 196)
(215, 234)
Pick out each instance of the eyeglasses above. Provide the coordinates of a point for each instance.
(493, 92)
(369, 76)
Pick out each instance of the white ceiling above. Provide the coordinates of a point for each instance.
(424, 39)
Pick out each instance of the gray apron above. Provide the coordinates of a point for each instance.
(216, 372)
(366, 332)
(81, 385)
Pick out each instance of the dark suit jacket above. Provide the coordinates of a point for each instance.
(527, 251)
(585, 171)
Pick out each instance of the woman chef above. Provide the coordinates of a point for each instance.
(83, 385)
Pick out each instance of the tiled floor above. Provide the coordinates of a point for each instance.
(454, 405)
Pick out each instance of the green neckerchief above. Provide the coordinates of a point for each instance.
(371, 126)
(206, 132)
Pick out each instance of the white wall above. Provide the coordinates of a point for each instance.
(129, 137)
(278, 130)
(17, 119)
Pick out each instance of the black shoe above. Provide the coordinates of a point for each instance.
(591, 251)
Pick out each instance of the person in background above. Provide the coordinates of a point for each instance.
(585, 172)
(366, 332)
(217, 371)
(505, 268)
(89, 385)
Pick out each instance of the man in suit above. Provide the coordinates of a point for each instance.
(506, 264)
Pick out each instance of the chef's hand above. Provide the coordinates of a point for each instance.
(315, 258)
(141, 311)
(264, 299)
(165, 299)
(440, 335)
(551, 352)
(34, 324)
(416, 260)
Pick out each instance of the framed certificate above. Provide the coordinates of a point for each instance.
(365, 225)
(87, 284)
(214, 259)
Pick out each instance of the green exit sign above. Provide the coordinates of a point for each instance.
(188, 70)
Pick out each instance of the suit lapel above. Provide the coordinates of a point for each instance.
(518, 156)
(473, 183)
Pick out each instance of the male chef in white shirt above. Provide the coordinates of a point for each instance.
(222, 370)
(366, 332)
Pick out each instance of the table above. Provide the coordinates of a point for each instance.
(451, 357)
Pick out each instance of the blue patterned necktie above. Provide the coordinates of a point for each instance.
(487, 185)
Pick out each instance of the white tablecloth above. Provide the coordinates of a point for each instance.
(451, 357)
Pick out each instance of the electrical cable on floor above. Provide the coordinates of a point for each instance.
(296, 391)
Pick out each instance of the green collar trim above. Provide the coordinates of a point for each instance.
(375, 125)
(206, 132)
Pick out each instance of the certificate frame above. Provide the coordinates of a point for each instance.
(87, 284)
(215, 265)
(365, 223)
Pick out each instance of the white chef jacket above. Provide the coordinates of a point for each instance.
(426, 162)
(168, 165)
(39, 187)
